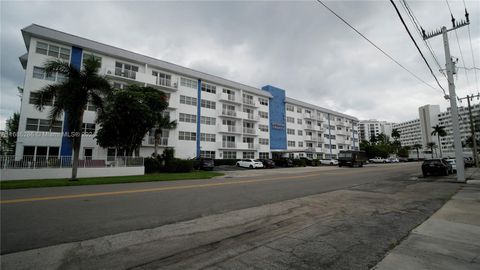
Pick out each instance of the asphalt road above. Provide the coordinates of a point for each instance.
(33, 218)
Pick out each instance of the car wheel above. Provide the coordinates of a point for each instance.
(446, 172)
(425, 174)
(251, 167)
(238, 164)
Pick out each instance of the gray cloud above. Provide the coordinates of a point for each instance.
(298, 46)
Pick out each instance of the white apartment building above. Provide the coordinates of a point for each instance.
(410, 132)
(216, 117)
(367, 128)
(428, 118)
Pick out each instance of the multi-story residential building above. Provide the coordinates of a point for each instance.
(216, 117)
(410, 132)
(373, 127)
(428, 119)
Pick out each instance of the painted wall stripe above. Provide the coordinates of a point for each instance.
(199, 103)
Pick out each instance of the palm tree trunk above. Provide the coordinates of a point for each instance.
(156, 138)
(431, 149)
(418, 154)
(76, 155)
(439, 145)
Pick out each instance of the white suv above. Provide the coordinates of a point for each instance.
(250, 163)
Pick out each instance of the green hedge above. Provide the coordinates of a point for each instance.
(219, 162)
(178, 165)
(152, 165)
(299, 163)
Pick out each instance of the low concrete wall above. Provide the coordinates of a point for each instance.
(55, 173)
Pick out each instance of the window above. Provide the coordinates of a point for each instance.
(209, 88)
(51, 151)
(291, 143)
(52, 50)
(206, 137)
(263, 141)
(290, 131)
(229, 155)
(39, 73)
(263, 114)
(299, 110)
(334, 146)
(207, 120)
(263, 128)
(36, 95)
(263, 101)
(290, 107)
(208, 104)
(126, 70)
(91, 107)
(42, 48)
(43, 125)
(188, 118)
(188, 100)
(248, 99)
(188, 83)
(299, 121)
(300, 144)
(88, 128)
(264, 155)
(290, 119)
(187, 136)
(119, 85)
(162, 78)
(207, 154)
(248, 154)
(299, 132)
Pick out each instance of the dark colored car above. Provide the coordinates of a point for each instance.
(352, 158)
(205, 164)
(268, 163)
(403, 159)
(468, 161)
(308, 161)
(284, 162)
(435, 167)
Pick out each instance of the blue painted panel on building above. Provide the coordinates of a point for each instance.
(66, 147)
(199, 111)
(278, 131)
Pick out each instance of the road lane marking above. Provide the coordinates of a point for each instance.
(132, 191)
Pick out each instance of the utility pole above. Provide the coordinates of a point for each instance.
(472, 126)
(451, 91)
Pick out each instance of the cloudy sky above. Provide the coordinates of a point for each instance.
(298, 46)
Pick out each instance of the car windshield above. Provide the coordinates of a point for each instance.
(256, 160)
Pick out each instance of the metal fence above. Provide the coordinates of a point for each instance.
(35, 162)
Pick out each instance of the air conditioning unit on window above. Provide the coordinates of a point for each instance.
(175, 85)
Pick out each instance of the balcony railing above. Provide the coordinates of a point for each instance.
(247, 130)
(248, 101)
(126, 73)
(39, 162)
(230, 129)
(163, 141)
(229, 113)
(229, 144)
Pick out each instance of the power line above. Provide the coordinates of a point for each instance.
(458, 42)
(416, 45)
(471, 47)
(418, 26)
(373, 44)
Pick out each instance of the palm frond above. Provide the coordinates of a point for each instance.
(44, 96)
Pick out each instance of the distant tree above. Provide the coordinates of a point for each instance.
(395, 134)
(129, 114)
(440, 132)
(9, 140)
(72, 96)
(417, 147)
(382, 138)
(403, 151)
(373, 139)
(431, 145)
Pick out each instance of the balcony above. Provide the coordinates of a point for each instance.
(309, 116)
(311, 127)
(249, 102)
(249, 131)
(310, 149)
(129, 75)
(228, 145)
(230, 129)
(163, 141)
(163, 83)
(229, 98)
(252, 117)
(140, 77)
(247, 146)
(230, 113)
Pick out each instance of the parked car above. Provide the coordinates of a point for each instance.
(205, 164)
(268, 163)
(435, 166)
(352, 158)
(331, 162)
(250, 163)
(308, 161)
(452, 163)
(284, 162)
(392, 160)
(468, 161)
(403, 159)
(377, 160)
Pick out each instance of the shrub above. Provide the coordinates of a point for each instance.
(299, 163)
(178, 165)
(219, 162)
(152, 165)
(168, 154)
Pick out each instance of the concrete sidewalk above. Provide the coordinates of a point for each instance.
(449, 239)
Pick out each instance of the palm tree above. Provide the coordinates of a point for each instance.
(417, 146)
(440, 132)
(395, 134)
(431, 145)
(71, 96)
(162, 124)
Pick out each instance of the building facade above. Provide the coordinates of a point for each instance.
(373, 127)
(216, 117)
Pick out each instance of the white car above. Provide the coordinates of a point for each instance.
(377, 160)
(392, 160)
(250, 163)
(329, 162)
(452, 162)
